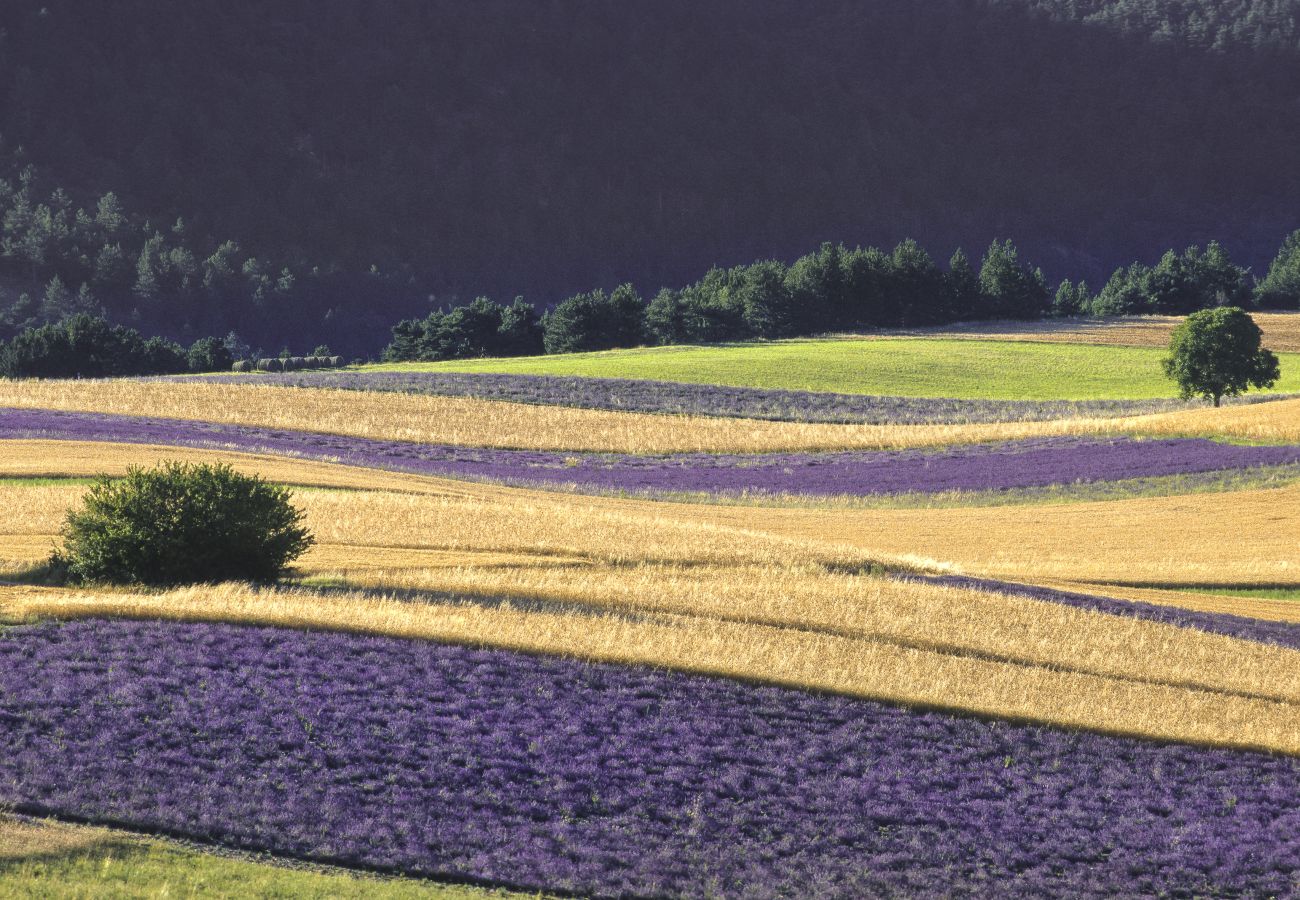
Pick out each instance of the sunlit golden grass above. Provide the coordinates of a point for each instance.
(488, 423)
(906, 613)
(361, 530)
(1158, 707)
(54, 459)
(1281, 330)
(1242, 538)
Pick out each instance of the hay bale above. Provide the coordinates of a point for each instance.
(269, 364)
(315, 362)
(242, 365)
(294, 363)
(334, 362)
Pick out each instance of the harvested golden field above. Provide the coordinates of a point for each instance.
(1164, 699)
(1281, 330)
(41, 459)
(490, 423)
(1242, 537)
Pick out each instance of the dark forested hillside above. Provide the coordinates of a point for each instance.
(543, 148)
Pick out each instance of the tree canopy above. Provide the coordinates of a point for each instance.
(1216, 353)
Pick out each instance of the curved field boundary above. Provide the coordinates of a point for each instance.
(1242, 605)
(487, 423)
(1084, 541)
(976, 468)
(1284, 633)
(681, 398)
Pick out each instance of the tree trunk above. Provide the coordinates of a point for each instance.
(1216, 400)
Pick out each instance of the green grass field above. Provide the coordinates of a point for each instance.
(906, 367)
(134, 867)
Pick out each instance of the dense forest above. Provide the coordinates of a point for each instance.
(310, 171)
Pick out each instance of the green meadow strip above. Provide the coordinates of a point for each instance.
(906, 367)
(112, 864)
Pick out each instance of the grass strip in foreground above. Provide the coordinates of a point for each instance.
(555, 774)
(46, 859)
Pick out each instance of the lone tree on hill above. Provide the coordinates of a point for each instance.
(1215, 353)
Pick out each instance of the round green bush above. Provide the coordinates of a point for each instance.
(182, 524)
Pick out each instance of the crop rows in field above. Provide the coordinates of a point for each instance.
(488, 423)
(681, 398)
(976, 468)
(554, 774)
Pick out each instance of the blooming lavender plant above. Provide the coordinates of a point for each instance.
(545, 773)
(969, 468)
(634, 395)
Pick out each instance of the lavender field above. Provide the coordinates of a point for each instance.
(996, 467)
(609, 781)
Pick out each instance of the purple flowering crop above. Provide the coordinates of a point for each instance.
(978, 467)
(546, 773)
(1283, 634)
(635, 395)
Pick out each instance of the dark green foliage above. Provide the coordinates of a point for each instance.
(1071, 300)
(964, 298)
(596, 321)
(1009, 289)
(1280, 288)
(1178, 284)
(765, 300)
(480, 328)
(84, 346)
(916, 290)
(209, 354)
(183, 524)
(1216, 353)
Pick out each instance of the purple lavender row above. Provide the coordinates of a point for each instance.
(1283, 634)
(629, 395)
(978, 467)
(543, 773)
